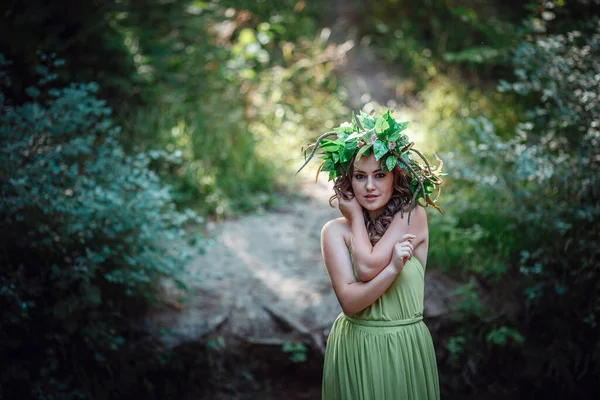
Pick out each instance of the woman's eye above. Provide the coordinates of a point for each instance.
(359, 176)
(381, 175)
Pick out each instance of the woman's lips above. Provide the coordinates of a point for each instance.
(371, 198)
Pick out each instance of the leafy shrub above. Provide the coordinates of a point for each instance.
(87, 232)
(264, 97)
(535, 197)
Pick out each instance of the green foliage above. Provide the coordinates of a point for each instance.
(128, 45)
(503, 336)
(469, 306)
(263, 96)
(456, 346)
(297, 351)
(527, 216)
(428, 38)
(88, 232)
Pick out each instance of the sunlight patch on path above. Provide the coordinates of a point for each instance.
(287, 288)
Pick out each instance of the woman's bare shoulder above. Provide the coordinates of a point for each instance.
(418, 222)
(337, 226)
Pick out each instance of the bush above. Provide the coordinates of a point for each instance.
(87, 231)
(264, 97)
(535, 200)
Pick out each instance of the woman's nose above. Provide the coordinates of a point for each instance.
(370, 185)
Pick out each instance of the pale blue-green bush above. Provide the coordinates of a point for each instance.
(87, 233)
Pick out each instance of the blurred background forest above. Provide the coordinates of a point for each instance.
(126, 124)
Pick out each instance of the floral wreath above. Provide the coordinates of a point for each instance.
(383, 137)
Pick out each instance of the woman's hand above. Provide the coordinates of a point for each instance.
(350, 208)
(403, 251)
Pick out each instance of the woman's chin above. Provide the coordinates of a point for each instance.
(374, 206)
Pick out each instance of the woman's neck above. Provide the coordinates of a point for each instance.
(374, 214)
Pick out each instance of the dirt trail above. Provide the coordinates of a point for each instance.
(271, 259)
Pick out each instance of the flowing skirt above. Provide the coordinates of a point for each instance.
(380, 360)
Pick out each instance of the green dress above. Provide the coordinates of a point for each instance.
(384, 352)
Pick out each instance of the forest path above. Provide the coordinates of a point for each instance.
(272, 259)
(266, 267)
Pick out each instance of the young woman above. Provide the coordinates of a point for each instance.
(378, 347)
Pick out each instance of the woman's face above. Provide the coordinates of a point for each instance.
(372, 187)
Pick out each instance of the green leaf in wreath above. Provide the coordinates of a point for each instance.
(349, 150)
(380, 149)
(333, 174)
(327, 166)
(367, 121)
(381, 125)
(402, 140)
(390, 120)
(342, 155)
(392, 137)
(390, 162)
(355, 127)
(329, 146)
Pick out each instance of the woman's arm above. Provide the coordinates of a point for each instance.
(370, 260)
(355, 296)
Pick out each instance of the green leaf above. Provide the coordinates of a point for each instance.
(381, 125)
(348, 152)
(342, 155)
(329, 146)
(390, 162)
(390, 120)
(327, 166)
(392, 137)
(350, 149)
(287, 347)
(505, 335)
(355, 127)
(367, 121)
(402, 126)
(402, 140)
(380, 148)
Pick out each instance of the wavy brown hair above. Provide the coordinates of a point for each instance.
(401, 197)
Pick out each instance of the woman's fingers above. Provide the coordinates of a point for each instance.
(406, 249)
(407, 242)
(407, 245)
